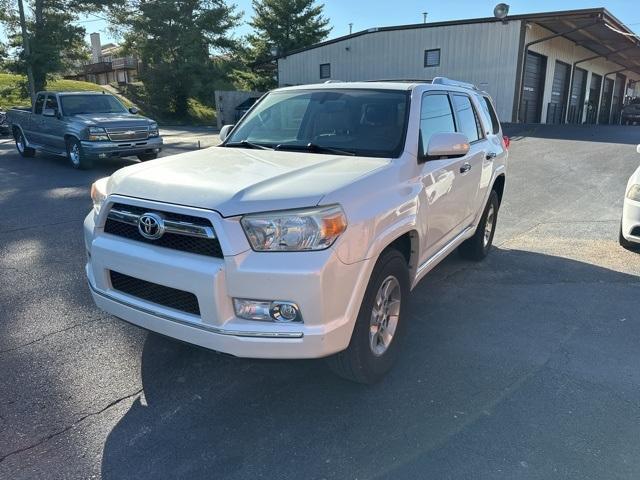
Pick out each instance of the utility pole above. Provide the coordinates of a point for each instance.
(350, 28)
(424, 17)
(27, 52)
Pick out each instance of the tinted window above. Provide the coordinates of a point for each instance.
(51, 103)
(467, 119)
(365, 122)
(435, 116)
(39, 104)
(78, 104)
(490, 113)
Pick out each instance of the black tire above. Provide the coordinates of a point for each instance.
(23, 150)
(624, 243)
(147, 156)
(76, 156)
(477, 247)
(358, 362)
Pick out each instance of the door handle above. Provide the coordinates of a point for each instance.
(465, 168)
(491, 155)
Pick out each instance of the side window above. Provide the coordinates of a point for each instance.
(469, 123)
(51, 103)
(39, 104)
(491, 115)
(435, 116)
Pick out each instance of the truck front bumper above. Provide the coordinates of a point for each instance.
(102, 150)
(327, 291)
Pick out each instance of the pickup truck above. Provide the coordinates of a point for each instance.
(83, 127)
(302, 234)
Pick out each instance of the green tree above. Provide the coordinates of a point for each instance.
(283, 25)
(175, 41)
(56, 43)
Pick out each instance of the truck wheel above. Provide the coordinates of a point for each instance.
(147, 156)
(76, 156)
(21, 145)
(624, 243)
(477, 247)
(377, 333)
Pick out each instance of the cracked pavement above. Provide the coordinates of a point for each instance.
(522, 366)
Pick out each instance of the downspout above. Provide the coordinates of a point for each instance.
(540, 40)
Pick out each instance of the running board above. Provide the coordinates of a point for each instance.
(439, 255)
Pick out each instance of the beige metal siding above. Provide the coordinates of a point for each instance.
(482, 53)
(568, 52)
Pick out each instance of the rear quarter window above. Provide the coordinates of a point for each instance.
(490, 115)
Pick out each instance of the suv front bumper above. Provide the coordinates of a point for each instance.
(327, 291)
(102, 150)
(631, 220)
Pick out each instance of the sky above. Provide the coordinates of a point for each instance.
(366, 14)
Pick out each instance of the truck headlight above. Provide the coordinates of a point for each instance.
(153, 130)
(294, 230)
(98, 134)
(634, 193)
(99, 193)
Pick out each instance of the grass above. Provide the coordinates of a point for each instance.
(12, 94)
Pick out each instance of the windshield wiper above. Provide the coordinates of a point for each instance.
(313, 147)
(246, 144)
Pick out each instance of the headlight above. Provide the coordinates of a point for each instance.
(634, 193)
(294, 230)
(153, 130)
(99, 193)
(98, 134)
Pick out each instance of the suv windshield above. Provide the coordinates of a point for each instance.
(361, 122)
(99, 103)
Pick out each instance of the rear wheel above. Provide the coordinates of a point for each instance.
(147, 156)
(21, 145)
(76, 155)
(375, 339)
(477, 247)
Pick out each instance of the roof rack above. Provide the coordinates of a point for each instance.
(453, 83)
(402, 80)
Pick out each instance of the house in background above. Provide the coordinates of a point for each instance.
(107, 65)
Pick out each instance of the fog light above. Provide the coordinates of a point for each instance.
(265, 311)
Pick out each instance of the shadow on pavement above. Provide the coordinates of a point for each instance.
(623, 134)
(501, 359)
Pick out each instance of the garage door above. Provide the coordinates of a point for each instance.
(532, 88)
(605, 107)
(559, 90)
(594, 97)
(578, 88)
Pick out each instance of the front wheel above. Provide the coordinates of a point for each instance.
(143, 157)
(76, 155)
(376, 335)
(21, 145)
(477, 247)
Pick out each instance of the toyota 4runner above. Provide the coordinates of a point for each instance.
(302, 234)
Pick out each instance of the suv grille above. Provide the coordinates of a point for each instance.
(152, 292)
(127, 134)
(122, 221)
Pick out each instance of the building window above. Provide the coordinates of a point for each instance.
(432, 57)
(325, 70)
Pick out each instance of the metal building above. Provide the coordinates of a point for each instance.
(573, 66)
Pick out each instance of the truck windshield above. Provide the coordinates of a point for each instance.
(79, 104)
(363, 122)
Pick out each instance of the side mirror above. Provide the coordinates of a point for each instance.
(447, 144)
(48, 112)
(133, 110)
(224, 132)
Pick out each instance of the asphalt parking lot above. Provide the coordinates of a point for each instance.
(523, 366)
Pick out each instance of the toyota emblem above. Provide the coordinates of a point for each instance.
(151, 226)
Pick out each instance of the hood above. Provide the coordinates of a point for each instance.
(112, 120)
(236, 181)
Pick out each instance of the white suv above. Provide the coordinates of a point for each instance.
(301, 235)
